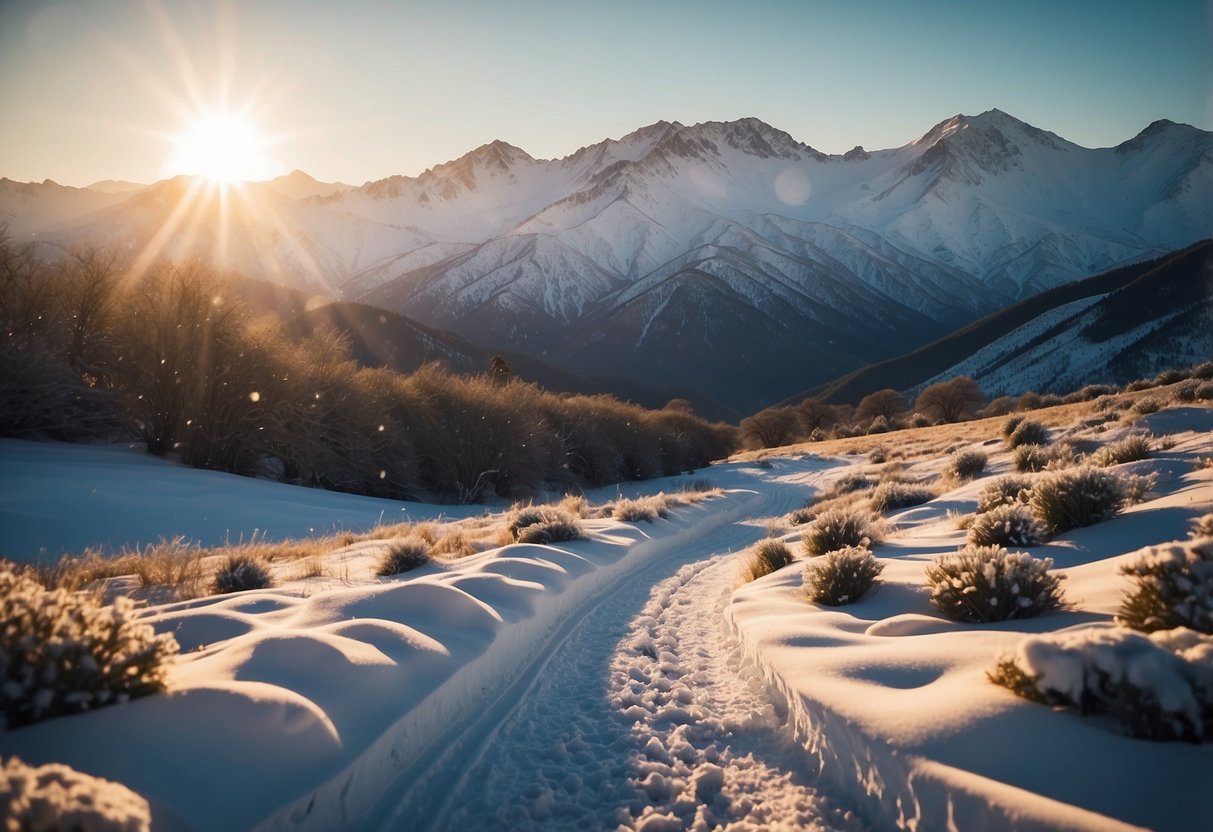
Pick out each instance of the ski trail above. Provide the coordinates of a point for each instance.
(642, 718)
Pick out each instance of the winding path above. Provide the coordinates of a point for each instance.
(638, 716)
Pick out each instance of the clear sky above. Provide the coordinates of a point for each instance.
(351, 91)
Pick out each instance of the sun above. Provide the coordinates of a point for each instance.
(223, 147)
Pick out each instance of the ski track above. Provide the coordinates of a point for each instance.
(644, 718)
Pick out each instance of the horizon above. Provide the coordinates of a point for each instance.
(393, 89)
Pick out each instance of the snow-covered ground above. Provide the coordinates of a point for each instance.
(621, 680)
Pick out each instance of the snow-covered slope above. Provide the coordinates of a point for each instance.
(545, 255)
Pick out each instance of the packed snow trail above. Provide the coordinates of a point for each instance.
(640, 718)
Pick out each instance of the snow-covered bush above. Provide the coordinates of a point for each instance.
(558, 527)
(241, 571)
(403, 556)
(841, 576)
(1159, 687)
(1077, 497)
(1006, 525)
(1007, 490)
(965, 465)
(891, 495)
(1202, 527)
(54, 797)
(1129, 449)
(988, 583)
(64, 652)
(1172, 587)
(766, 556)
(837, 528)
(1028, 432)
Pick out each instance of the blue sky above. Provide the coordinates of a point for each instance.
(93, 89)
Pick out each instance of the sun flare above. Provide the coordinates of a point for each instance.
(223, 147)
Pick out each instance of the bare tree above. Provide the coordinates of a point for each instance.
(951, 400)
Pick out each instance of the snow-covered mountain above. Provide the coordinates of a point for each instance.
(726, 256)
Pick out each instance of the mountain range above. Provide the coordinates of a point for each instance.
(724, 257)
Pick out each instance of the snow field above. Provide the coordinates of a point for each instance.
(898, 711)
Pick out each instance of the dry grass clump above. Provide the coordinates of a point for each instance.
(1145, 406)
(241, 571)
(838, 528)
(1035, 458)
(988, 583)
(657, 505)
(842, 576)
(556, 527)
(403, 556)
(766, 556)
(1129, 449)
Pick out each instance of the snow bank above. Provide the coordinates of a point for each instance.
(57, 498)
(298, 712)
(898, 711)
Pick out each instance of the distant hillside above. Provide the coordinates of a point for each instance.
(1110, 328)
(382, 338)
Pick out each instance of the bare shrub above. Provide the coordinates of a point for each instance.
(63, 652)
(1031, 458)
(842, 576)
(1010, 424)
(893, 495)
(766, 556)
(1145, 405)
(1028, 432)
(988, 583)
(1073, 498)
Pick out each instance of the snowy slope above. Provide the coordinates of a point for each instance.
(618, 681)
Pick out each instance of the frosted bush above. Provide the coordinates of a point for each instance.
(63, 652)
(1010, 423)
(766, 557)
(54, 797)
(240, 572)
(1158, 687)
(1008, 490)
(838, 528)
(1028, 432)
(842, 576)
(1031, 458)
(1129, 449)
(1077, 497)
(1172, 587)
(891, 495)
(965, 465)
(403, 556)
(1202, 527)
(1006, 525)
(988, 583)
